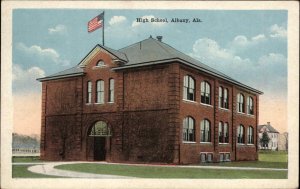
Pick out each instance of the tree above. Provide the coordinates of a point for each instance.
(264, 141)
(286, 136)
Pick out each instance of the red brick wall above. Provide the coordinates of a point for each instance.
(146, 117)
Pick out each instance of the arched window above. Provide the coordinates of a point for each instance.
(205, 92)
(240, 103)
(221, 132)
(100, 92)
(100, 129)
(205, 131)
(226, 104)
(221, 104)
(111, 90)
(250, 135)
(241, 134)
(188, 129)
(226, 133)
(223, 97)
(250, 106)
(188, 88)
(89, 92)
(100, 63)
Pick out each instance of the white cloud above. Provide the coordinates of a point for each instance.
(267, 73)
(47, 53)
(277, 31)
(241, 42)
(25, 79)
(116, 20)
(148, 17)
(58, 29)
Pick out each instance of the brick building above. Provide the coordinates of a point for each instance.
(147, 102)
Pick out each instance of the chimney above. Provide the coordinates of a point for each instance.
(159, 38)
(268, 123)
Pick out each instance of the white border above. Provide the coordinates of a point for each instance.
(293, 97)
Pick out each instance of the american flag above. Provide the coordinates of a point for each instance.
(95, 23)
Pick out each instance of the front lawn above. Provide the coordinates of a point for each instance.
(26, 159)
(20, 171)
(172, 172)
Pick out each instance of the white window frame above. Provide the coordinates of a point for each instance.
(205, 93)
(189, 84)
(111, 90)
(89, 92)
(100, 92)
(205, 131)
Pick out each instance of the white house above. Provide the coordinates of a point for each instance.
(273, 135)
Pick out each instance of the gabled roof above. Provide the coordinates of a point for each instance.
(150, 52)
(269, 127)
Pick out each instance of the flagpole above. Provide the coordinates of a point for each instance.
(103, 30)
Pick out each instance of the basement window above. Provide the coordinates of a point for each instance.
(206, 157)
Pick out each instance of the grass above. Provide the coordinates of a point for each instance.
(267, 159)
(26, 159)
(172, 172)
(20, 171)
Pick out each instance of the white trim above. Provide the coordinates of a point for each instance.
(88, 104)
(242, 113)
(205, 142)
(250, 144)
(224, 109)
(223, 143)
(110, 102)
(208, 105)
(189, 142)
(98, 103)
(242, 144)
(185, 100)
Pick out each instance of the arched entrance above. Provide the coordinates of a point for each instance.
(99, 133)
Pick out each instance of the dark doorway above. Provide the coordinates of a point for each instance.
(99, 148)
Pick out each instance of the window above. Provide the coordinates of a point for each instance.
(205, 92)
(240, 134)
(220, 132)
(100, 63)
(226, 133)
(100, 129)
(205, 131)
(221, 104)
(221, 157)
(188, 129)
(89, 92)
(226, 104)
(100, 91)
(223, 98)
(250, 106)
(227, 157)
(188, 88)
(240, 103)
(111, 90)
(223, 133)
(209, 157)
(203, 157)
(206, 157)
(250, 135)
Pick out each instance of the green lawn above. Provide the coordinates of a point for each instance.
(266, 159)
(172, 172)
(20, 171)
(26, 159)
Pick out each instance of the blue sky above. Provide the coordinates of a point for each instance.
(250, 46)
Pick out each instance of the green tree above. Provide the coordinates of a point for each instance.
(264, 141)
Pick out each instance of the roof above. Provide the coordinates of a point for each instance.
(150, 52)
(269, 127)
(71, 72)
